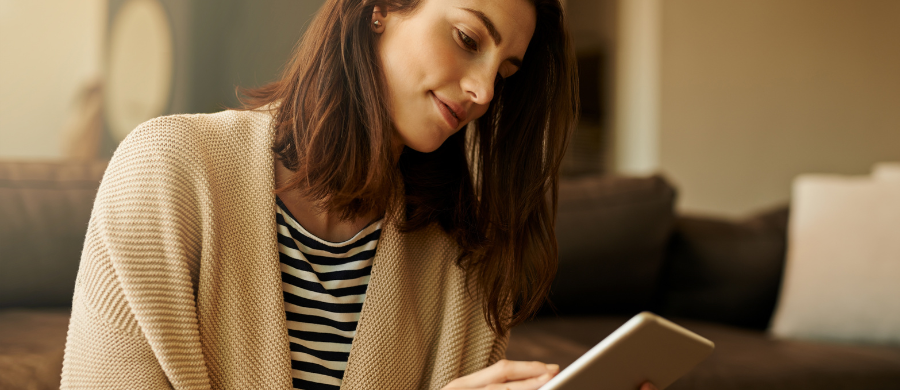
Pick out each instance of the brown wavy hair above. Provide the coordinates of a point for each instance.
(492, 186)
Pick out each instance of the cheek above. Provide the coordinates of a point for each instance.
(399, 69)
(416, 61)
(439, 57)
(440, 61)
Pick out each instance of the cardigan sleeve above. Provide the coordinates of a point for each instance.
(498, 351)
(105, 348)
(134, 322)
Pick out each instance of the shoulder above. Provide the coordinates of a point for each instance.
(188, 132)
(186, 148)
(177, 139)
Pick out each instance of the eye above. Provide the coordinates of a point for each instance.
(466, 40)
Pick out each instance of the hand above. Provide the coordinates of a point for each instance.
(507, 375)
(648, 386)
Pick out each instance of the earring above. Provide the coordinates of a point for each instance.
(377, 23)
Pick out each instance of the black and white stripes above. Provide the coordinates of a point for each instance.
(324, 287)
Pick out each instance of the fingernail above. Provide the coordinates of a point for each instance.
(544, 378)
(553, 367)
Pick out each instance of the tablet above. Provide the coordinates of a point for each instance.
(646, 348)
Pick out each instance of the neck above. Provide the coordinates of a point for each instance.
(321, 223)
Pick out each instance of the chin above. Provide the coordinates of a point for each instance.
(425, 147)
(424, 144)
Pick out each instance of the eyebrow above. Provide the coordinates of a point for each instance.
(488, 24)
(492, 30)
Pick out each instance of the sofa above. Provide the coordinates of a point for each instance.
(623, 249)
(44, 212)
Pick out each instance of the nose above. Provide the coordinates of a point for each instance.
(478, 84)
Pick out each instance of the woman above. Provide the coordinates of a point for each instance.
(402, 244)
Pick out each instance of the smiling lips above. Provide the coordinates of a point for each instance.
(451, 112)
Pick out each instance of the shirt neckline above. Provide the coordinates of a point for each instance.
(298, 226)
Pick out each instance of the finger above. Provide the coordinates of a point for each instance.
(648, 386)
(526, 384)
(533, 383)
(505, 371)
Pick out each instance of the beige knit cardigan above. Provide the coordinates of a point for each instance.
(179, 284)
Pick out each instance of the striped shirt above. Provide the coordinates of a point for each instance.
(324, 287)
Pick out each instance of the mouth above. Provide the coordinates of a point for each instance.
(450, 113)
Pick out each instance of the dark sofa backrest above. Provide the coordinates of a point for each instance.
(618, 254)
(623, 249)
(612, 233)
(44, 212)
(725, 271)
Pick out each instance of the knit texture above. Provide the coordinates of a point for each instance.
(179, 284)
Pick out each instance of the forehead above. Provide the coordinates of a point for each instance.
(513, 19)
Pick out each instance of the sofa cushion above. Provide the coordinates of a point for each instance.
(31, 348)
(612, 234)
(743, 359)
(842, 273)
(44, 213)
(725, 271)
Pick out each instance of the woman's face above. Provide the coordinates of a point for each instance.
(442, 60)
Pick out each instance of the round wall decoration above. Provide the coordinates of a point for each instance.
(139, 66)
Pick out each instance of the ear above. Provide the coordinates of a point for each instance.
(378, 19)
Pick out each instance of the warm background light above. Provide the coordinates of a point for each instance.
(729, 99)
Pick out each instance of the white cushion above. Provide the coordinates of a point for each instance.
(842, 277)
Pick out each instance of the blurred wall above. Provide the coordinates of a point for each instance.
(756, 92)
(49, 49)
(241, 43)
(52, 48)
